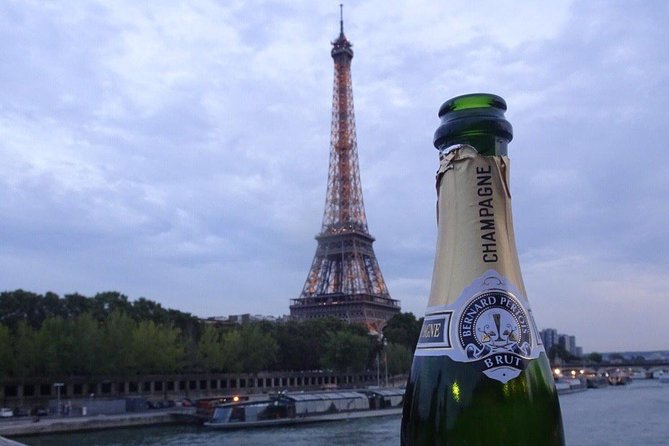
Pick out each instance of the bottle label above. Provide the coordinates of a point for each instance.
(489, 325)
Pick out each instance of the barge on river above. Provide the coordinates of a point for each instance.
(307, 407)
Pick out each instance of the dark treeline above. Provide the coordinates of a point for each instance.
(108, 335)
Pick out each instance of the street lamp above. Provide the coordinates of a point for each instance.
(58, 386)
(385, 357)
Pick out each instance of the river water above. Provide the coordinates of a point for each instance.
(635, 414)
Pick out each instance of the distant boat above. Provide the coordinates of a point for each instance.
(564, 386)
(595, 381)
(307, 407)
(618, 378)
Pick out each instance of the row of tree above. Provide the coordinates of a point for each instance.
(33, 309)
(107, 335)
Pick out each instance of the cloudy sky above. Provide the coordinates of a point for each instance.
(178, 150)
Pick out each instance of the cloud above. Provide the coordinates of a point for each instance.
(180, 152)
(603, 301)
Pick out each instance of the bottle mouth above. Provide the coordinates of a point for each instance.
(473, 100)
(472, 117)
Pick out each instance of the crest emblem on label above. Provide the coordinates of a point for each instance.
(489, 326)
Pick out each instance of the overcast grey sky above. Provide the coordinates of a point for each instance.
(178, 150)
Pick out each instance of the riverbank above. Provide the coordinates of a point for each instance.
(51, 425)
(175, 416)
(566, 386)
(633, 414)
(25, 426)
(7, 442)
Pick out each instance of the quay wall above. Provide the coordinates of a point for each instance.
(7, 442)
(27, 393)
(74, 424)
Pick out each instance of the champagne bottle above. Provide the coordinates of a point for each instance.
(480, 375)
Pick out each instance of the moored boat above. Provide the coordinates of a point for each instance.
(307, 407)
(664, 377)
(618, 377)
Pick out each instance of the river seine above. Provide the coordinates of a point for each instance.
(635, 414)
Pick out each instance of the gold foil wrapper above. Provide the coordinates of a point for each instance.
(475, 224)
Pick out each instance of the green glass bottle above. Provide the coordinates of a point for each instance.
(480, 375)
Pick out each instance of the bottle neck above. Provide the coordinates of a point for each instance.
(475, 225)
(485, 144)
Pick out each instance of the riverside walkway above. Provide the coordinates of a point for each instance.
(48, 425)
(7, 442)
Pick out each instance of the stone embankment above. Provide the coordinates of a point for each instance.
(49, 425)
(7, 442)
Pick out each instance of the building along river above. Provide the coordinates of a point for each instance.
(637, 413)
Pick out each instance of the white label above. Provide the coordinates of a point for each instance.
(490, 325)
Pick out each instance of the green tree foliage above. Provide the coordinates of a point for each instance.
(302, 344)
(117, 344)
(248, 349)
(26, 351)
(19, 305)
(6, 353)
(104, 304)
(595, 357)
(84, 347)
(65, 347)
(108, 335)
(403, 329)
(233, 352)
(56, 347)
(345, 351)
(559, 351)
(74, 305)
(210, 356)
(156, 348)
(399, 359)
(87, 333)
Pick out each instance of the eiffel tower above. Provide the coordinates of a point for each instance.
(345, 280)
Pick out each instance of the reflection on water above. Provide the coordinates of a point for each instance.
(613, 416)
(370, 431)
(634, 414)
